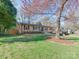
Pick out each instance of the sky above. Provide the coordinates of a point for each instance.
(17, 4)
(36, 18)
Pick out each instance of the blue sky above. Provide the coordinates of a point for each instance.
(18, 5)
(38, 17)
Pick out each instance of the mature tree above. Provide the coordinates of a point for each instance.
(7, 13)
(39, 6)
(72, 19)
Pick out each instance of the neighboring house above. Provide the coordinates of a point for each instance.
(25, 28)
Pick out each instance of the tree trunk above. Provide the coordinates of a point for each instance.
(58, 29)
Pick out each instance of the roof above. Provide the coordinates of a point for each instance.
(33, 25)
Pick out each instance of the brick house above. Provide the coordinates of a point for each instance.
(29, 28)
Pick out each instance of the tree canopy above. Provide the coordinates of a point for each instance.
(7, 13)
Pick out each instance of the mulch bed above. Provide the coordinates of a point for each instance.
(62, 41)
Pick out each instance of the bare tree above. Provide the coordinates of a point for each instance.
(59, 17)
(39, 6)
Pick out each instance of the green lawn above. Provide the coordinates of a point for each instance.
(74, 38)
(35, 47)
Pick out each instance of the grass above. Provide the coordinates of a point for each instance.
(22, 38)
(74, 38)
(35, 47)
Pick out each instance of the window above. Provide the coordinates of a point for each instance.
(34, 27)
(26, 27)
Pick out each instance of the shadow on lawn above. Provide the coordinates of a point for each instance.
(9, 35)
(23, 39)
